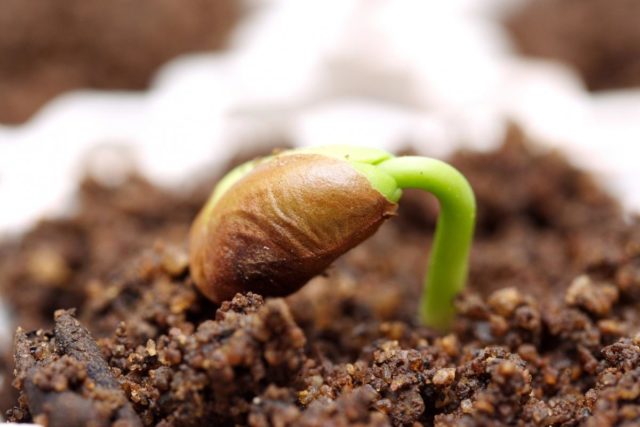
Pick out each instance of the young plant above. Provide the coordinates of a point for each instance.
(274, 223)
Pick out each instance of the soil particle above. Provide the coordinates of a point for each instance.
(509, 318)
(65, 381)
(597, 299)
(444, 376)
(614, 399)
(505, 301)
(628, 278)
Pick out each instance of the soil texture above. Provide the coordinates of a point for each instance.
(547, 332)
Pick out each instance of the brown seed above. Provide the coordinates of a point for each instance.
(281, 224)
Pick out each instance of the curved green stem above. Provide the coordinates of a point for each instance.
(448, 263)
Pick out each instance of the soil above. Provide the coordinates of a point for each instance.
(547, 332)
(600, 38)
(47, 48)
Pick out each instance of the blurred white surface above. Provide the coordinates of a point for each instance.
(366, 72)
(382, 73)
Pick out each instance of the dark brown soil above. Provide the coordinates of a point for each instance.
(547, 331)
(49, 47)
(65, 378)
(600, 38)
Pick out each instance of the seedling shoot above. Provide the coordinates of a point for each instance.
(274, 223)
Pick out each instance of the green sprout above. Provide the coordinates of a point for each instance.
(448, 262)
(273, 223)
